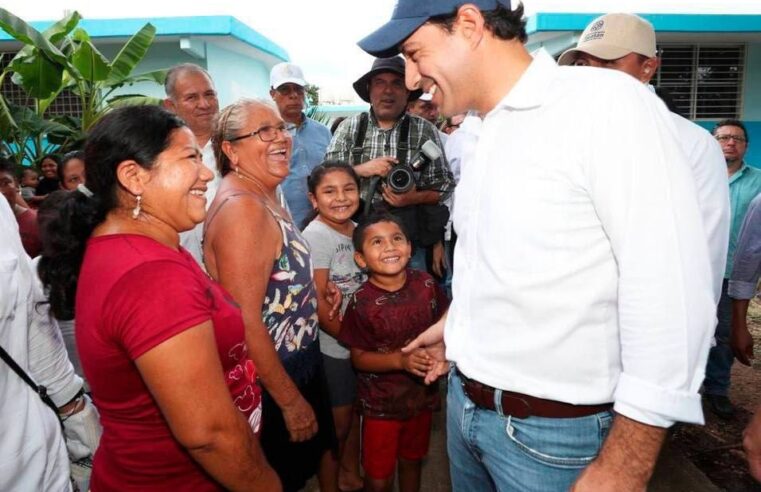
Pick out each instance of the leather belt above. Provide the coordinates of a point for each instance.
(523, 406)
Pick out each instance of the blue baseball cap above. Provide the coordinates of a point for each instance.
(409, 15)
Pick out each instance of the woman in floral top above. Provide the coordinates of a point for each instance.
(252, 247)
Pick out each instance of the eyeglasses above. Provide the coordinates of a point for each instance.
(727, 138)
(267, 133)
(288, 89)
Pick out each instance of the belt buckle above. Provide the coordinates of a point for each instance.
(522, 409)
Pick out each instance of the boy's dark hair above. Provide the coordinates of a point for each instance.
(504, 23)
(732, 122)
(359, 232)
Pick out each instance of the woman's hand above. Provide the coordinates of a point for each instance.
(299, 419)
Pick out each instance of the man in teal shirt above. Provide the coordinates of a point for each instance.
(744, 185)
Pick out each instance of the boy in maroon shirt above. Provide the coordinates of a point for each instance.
(393, 307)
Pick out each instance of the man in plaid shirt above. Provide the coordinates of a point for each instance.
(420, 208)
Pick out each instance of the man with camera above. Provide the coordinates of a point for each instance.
(386, 148)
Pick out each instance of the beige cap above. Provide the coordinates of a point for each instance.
(612, 36)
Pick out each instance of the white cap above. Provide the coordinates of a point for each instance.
(426, 96)
(286, 73)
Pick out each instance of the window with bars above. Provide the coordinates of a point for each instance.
(705, 82)
(65, 104)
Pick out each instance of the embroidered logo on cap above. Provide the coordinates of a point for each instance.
(596, 31)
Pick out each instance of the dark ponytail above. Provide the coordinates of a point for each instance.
(67, 219)
(315, 178)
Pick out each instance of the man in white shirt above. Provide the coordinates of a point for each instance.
(191, 96)
(32, 450)
(583, 276)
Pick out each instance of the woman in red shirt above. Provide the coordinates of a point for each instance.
(161, 344)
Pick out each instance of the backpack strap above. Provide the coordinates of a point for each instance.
(359, 139)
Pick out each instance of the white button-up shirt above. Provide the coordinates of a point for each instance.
(32, 451)
(583, 273)
(709, 169)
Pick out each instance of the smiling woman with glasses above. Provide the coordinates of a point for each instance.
(253, 248)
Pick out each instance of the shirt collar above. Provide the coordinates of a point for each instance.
(398, 122)
(532, 88)
(739, 173)
(304, 122)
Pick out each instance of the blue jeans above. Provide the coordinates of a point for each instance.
(489, 451)
(720, 358)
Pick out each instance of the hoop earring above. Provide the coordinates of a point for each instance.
(136, 210)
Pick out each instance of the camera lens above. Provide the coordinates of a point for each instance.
(400, 179)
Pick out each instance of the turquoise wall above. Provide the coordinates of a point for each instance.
(751, 109)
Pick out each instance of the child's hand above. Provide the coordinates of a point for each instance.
(334, 297)
(417, 362)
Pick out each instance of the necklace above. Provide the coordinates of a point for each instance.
(256, 183)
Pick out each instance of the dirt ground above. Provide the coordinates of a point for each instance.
(716, 448)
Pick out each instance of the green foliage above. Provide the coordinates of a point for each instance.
(60, 58)
(312, 95)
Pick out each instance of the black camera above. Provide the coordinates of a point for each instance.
(401, 178)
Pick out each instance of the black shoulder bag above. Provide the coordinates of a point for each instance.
(41, 390)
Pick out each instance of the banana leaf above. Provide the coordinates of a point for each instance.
(131, 54)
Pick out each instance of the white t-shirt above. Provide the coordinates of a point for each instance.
(333, 251)
(32, 451)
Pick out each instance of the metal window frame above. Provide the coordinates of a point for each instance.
(693, 89)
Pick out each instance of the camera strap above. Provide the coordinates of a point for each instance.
(359, 139)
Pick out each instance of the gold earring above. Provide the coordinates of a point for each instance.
(136, 210)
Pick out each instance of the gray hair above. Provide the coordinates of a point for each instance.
(176, 71)
(230, 123)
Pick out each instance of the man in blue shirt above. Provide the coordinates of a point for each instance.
(744, 281)
(744, 185)
(310, 138)
(742, 288)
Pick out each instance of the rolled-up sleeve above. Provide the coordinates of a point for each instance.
(747, 267)
(646, 199)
